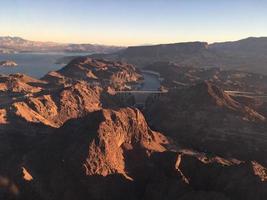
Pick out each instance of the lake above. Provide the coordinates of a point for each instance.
(34, 64)
(39, 64)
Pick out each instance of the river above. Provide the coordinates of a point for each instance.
(151, 82)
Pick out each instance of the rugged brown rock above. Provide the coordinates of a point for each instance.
(20, 83)
(208, 119)
(52, 107)
(98, 72)
(67, 137)
(8, 63)
(113, 154)
(81, 87)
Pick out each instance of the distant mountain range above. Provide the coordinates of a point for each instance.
(248, 54)
(17, 44)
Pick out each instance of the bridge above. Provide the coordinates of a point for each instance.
(151, 72)
(139, 97)
(262, 97)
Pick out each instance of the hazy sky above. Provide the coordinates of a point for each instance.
(132, 22)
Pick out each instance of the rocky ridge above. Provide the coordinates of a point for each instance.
(82, 86)
(245, 55)
(97, 72)
(66, 137)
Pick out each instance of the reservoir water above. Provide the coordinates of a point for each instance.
(151, 82)
(39, 64)
(34, 64)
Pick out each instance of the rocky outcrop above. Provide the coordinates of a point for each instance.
(98, 72)
(8, 63)
(114, 132)
(20, 84)
(53, 108)
(69, 103)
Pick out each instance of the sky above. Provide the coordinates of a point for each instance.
(133, 22)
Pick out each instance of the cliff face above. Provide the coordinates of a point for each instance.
(113, 133)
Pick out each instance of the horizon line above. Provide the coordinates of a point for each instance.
(135, 45)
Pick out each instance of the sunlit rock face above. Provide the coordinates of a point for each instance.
(104, 73)
(81, 87)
